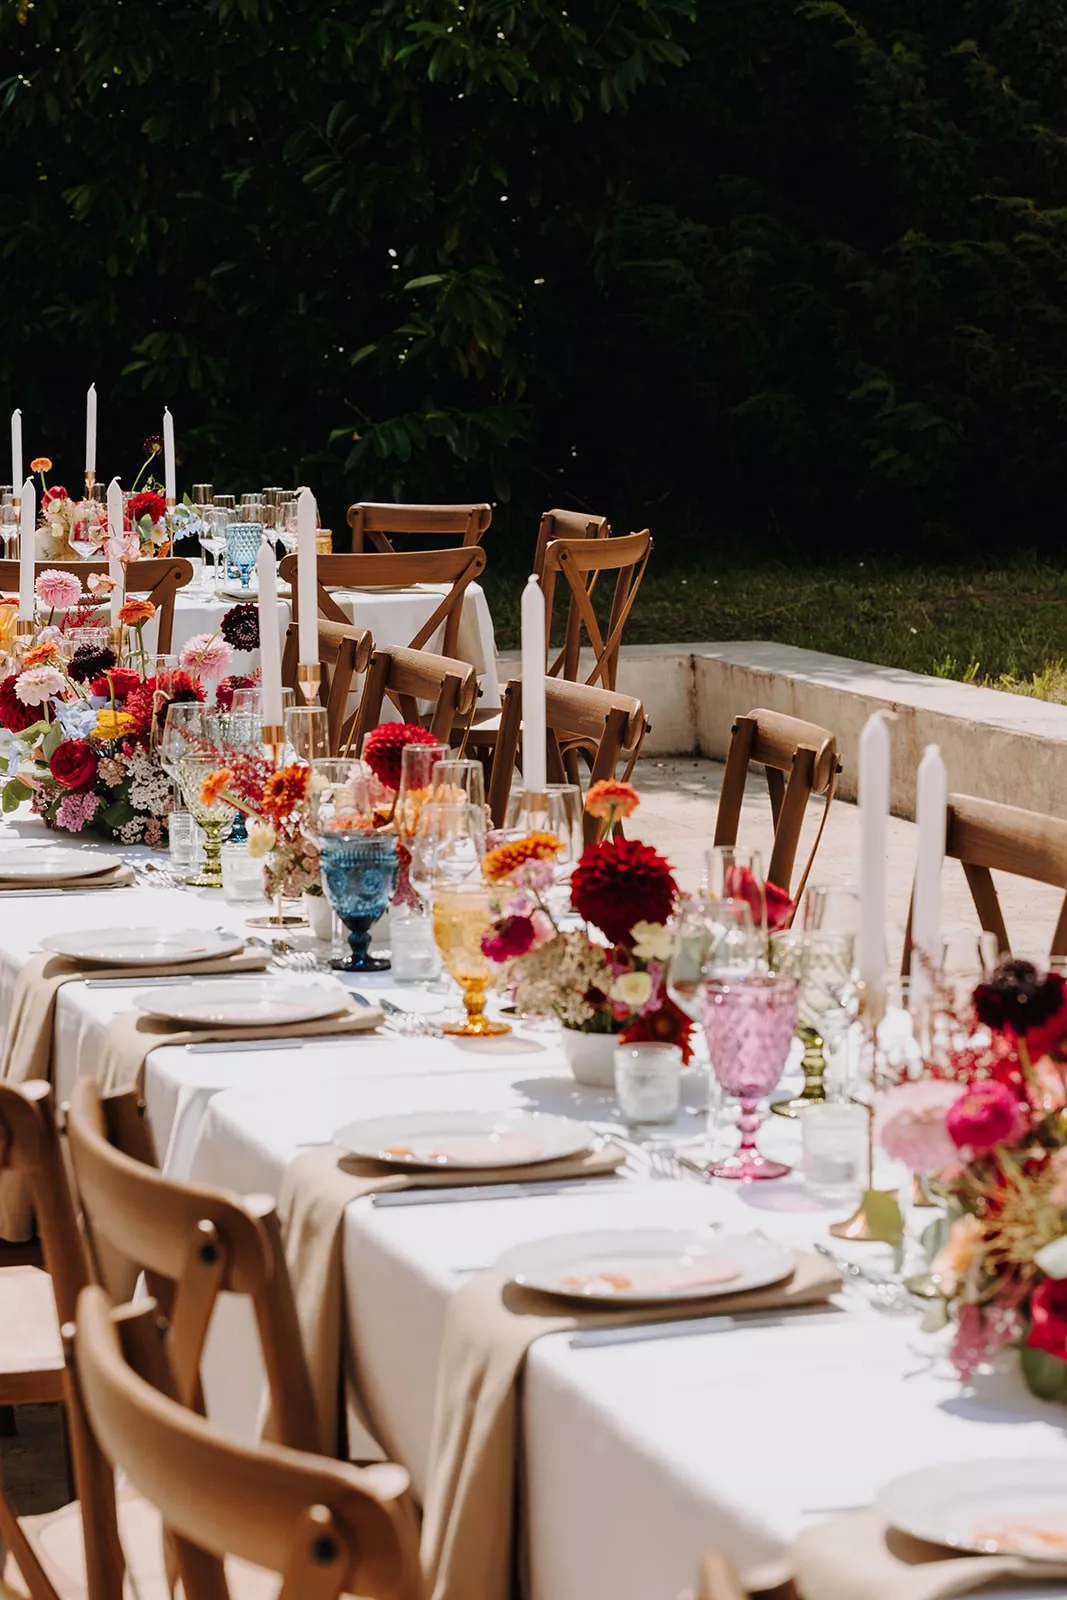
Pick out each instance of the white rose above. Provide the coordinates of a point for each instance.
(652, 941)
(633, 989)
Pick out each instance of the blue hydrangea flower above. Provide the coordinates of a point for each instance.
(77, 718)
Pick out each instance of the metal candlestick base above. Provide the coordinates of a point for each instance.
(276, 921)
(309, 680)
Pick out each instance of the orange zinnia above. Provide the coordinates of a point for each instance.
(284, 790)
(506, 859)
(39, 653)
(40, 464)
(609, 798)
(134, 612)
(214, 785)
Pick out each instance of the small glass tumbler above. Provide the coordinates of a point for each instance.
(242, 874)
(412, 946)
(648, 1082)
(834, 1159)
(182, 838)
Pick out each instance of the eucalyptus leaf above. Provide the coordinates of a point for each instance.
(884, 1219)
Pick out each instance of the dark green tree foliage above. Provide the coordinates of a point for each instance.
(791, 270)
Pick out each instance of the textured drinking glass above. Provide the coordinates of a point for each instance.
(243, 540)
(648, 1082)
(462, 914)
(359, 876)
(834, 1159)
(749, 1024)
(242, 874)
(182, 840)
(215, 819)
(413, 950)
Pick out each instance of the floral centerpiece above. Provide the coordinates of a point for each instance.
(383, 754)
(63, 519)
(607, 976)
(987, 1123)
(275, 802)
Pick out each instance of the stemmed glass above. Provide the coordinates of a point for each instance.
(307, 734)
(448, 847)
(558, 810)
(711, 940)
(462, 915)
(823, 964)
(733, 872)
(183, 734)
(213, 522)
(417, 762)
(358, 863)
(243, 540)
(458, 781)
(749, 1023)
(214, 817)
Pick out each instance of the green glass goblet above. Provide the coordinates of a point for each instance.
(215, 817)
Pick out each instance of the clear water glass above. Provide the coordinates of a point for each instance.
(648, 1082)
(455, 781)
(242, 874)
(733, 872)
(417, 762)
(834, 1152)
(183, 838)
(558, 809)
(412, 946)
(307, 734)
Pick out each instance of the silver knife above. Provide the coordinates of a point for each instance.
(220, 1046)
(162, 982)
(489, 1191)
(588, 1338)
(40, 894)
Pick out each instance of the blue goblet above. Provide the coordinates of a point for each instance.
(243, 540)
(359, 876)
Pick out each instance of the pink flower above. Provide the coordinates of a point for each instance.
(206, 654)
(543, 929)
(100, 584)
(75, 810)
(123, 547)
(985, 1115)
(59, 591)
(38, 684)
(912, 1127)
(509, 938)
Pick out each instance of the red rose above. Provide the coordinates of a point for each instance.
(985, 1115)
(56, 493)
(13, 714)
(146, 504)
(620, 882)
(73, 764)
(119, 681)
(1048, 1318)
(741, 884)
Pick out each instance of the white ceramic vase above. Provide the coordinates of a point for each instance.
(590, 1056)
(319, 913)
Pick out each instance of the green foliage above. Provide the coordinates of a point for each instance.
(793, 269)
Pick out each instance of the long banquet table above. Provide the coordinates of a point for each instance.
(638, 1455)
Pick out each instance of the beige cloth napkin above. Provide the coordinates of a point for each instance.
(317, 1189)
(114, 878)
(134, 1034)
(467, 1531)
(856, 1557)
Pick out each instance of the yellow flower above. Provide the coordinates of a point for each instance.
(506, 859)
(261, 839)
(633, 989)
(113, 724)
(652, 941)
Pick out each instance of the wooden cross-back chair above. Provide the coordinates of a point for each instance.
(155, 578)
(372, 523)
(566, 525)
(325, 1529)
(344, 653)
(580, 564)
(580, 721)
(719, 1581)
(800, 759)
(397, 570)
(193, 1244)
(409, 677)
(986, 837)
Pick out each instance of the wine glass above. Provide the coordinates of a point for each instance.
(558, 810)
(749, 1024)
(824, 966)
(825, 908)
(462, 915)
(359, 864)
(417, 762)
(448, 847)
(183, 734)
(458, 781)
(214, 816)
(307, 733)
(733, 872)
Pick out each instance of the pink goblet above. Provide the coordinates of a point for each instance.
(749, 1023)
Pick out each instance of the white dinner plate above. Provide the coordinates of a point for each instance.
(233, 591)
(143, 947)
(640, 1264)
(33, 862)
(994, 1507)
(466, 1139)
(243, 1003)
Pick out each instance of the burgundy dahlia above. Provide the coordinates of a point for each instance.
(240, 626)
(620, 882)
(89, 661)
(1029, 1003)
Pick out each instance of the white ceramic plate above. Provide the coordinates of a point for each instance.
(142, 947)
(34, 862)
(990, 1507)
(233, 591)
(242, 1003)
(640, 1264)
(466, 1139)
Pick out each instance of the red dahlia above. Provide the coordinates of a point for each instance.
(383, 748)
(13, 714)
(620, 882)
(146, 504)
(668, 1024)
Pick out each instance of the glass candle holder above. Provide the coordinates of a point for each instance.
(413, 950)
(648, 1082)
(182, 838)
(834, 1144)
(242, 874)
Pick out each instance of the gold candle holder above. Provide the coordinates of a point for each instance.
(90, 483)
(309, 680)
(116, 639)
(23, 630)
(273, 737)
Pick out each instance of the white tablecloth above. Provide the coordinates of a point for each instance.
(638, 1456)
(392, 616)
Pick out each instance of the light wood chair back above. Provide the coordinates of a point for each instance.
(580, 563)
(408, 678)
(344, 653)
(986, 837)
(396, 570)
(156, 578)
(597, 725)
(566, 525)
(372, 523)
(325, 1529)
(800, 759)
(30, 1147)
(193, 1244)
(719, 1581)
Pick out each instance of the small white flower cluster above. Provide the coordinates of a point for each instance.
(555, 977)
(132, 832)
(149, 784)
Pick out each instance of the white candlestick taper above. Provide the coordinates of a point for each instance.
(27, 550)
(270, 639)
(16, 452)
(874, 781)
(169, 474)
(90, 430)
(114, 532)
(533, 688)
(307, 597)
(931, 803)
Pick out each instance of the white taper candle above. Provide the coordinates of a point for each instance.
(307, 597)
(931, 801)
(874, 775)
(16, 451)
(27, 550)
(114, 533)
(533, 687)
(169, 475)
(90, 429)
(270, 637)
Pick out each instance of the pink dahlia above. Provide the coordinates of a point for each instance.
(206, 654)
(509, 938)
(985, 1115)
(58, 590)
(38, 684)
(911, 1123)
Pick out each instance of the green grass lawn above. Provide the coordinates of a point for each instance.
(1004, 625)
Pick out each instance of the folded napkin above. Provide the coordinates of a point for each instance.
(135, 1034)
(317, 1189)
(467, 1529)
(114, 878)
(856, 1557)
